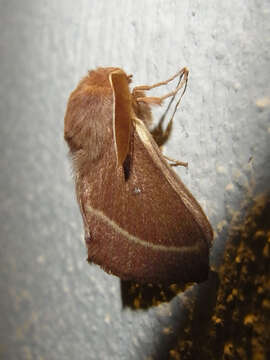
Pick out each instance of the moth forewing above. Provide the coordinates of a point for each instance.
(122, 113)
(174, 181)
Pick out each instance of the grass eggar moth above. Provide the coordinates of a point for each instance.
(141, 223)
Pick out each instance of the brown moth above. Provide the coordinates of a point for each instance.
(141, 223)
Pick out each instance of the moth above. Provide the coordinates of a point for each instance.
(141, 223)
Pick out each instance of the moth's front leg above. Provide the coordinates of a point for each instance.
(176, 162)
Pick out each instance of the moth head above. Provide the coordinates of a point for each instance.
(100, 76)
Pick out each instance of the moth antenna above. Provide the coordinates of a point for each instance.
(170, 104)
(158, 133)
(179, 100)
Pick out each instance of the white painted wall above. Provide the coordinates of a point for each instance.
(55, 305)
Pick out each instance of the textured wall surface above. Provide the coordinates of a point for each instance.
(53, 304)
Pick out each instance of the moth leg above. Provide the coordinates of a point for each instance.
(160, 135)
(152, 100)
(176, 162)
(181, 73)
